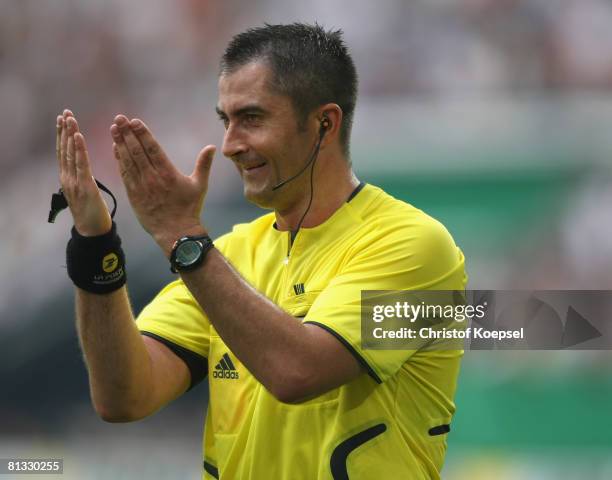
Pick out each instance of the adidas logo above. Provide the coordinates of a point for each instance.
(298, 288)
(225, 368)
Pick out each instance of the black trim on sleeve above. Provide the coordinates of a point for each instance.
(439, 430)
(196, 363)
(340, 454)
(211, 469)
(350, 348)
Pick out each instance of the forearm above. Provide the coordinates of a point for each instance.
(272, 344)
(292, 360)
(116, 357)
(130, 376)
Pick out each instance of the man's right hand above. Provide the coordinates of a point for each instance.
(130, 376)
(89, 211)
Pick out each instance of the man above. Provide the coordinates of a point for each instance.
(271, 313)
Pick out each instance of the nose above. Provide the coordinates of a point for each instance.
(233, 143)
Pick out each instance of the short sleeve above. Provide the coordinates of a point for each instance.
(406, 256)
(176, 316)
(175, 319)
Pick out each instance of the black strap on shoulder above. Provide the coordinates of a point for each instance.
(59, 202)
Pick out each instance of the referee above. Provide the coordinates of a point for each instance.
(269, 313)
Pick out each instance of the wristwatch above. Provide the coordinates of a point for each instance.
(188, 253)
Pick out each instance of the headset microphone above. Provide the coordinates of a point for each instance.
(325, 124)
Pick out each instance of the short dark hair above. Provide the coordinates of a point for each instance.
(310, 65)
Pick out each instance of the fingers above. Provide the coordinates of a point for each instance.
(63, 145)
(71, 129)
(71, 151)
(201, 171)
(89, 211)
(67, 126)
(131, 143)
(70, 156)
(83, 170)
(66, 115)
(58, 138)
(139, 154)
(127, 168)
(153, 150)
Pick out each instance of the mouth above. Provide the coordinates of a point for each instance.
(253, 168)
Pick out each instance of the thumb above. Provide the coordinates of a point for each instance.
(201, 171)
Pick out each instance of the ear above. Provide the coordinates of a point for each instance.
(333, 114)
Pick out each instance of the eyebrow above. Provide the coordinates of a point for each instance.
(254, 108)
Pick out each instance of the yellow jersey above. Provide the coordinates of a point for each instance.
(389, 423)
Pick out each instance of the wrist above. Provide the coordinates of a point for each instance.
(96, 264)
(102, 228)
(167, 240)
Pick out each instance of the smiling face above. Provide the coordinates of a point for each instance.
(263, 136)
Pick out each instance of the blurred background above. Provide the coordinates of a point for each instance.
(494, 116)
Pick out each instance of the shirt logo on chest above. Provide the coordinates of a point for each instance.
(298, 288)
(226, 369)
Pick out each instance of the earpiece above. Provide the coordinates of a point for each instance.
(325, 124)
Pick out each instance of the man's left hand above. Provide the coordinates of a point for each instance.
(167, 203)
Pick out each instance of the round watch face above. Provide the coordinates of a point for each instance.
(188, 252)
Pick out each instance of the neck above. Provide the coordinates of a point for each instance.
(332, 187)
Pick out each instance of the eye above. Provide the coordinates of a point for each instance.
(225, 121)
(251, 118)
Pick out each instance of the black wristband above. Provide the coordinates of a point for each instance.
(96, 264)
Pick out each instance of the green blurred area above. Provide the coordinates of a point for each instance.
(529, 411)
(490, 210)
(542, 423)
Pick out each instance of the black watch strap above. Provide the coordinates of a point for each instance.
(199, 247)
